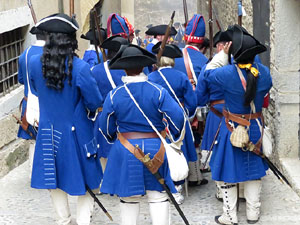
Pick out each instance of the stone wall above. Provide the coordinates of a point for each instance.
(227, 13)
(159, 12)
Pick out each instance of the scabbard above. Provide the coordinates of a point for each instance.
(166, 188)
(99, 203)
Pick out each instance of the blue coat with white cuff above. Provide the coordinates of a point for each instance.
(66, 149)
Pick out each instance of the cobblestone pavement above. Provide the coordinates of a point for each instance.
(20, 204)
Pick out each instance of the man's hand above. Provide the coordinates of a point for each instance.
(227, 47)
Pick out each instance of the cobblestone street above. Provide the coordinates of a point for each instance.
(20, 204)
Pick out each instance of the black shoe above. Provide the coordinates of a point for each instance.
(252, 221)
(219, 199)
(218, 222)
(206, 170)
(197, 183)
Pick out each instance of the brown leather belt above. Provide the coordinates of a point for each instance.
(152, 164)
(215, 102)
(139, 135)
(242, 119)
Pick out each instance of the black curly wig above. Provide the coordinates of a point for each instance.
(59, 47)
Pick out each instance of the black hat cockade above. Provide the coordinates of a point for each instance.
(160, 30)
(90, 35)
(244, 45)
(170, 50)
(58, 23)
(131, 57)
(34, 30)
(114, 43)
(221, 36)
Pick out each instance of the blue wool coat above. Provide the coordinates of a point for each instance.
(184, 92)
(197, 58)
(207, 92)
(22, 78)
(228, 163)
(124, 174)
(66, 150)
(104, 87)
(90, 56)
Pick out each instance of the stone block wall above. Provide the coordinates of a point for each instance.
(159, 12)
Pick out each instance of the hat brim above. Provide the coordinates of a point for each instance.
(160, 30)
(132, 61)
(250, 53)
(114, 43)
(171, 51)
(36, 31)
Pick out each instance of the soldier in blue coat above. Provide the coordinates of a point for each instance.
(90, 55)
(182, 92)
(26, 131)
(65, 160)
(107, 80)
(191, 64)
(194, 60)
(126, 176)
(244, 93)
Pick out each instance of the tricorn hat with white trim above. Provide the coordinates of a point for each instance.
(58, 23)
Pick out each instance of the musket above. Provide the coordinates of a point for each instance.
(164, 41)
(71, 6)
(95, 39)
(99, 32)
(99, 203)
(32, 11)
(240, 12)
(210, 22)
(217, 20)
(186, 16)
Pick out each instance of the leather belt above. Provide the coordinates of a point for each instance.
(242, 119)
(216, 112)
(215, 102)
(139, 135)
(152, 164)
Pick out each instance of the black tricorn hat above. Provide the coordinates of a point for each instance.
(58, 23)
(114, 43)
(131, 57)
(221, 36)
(244, 45)
(160, 30)
(90, 35)
(137, 31)
(171, 51)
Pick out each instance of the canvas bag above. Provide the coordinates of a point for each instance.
(177, 163)
(32, 108)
